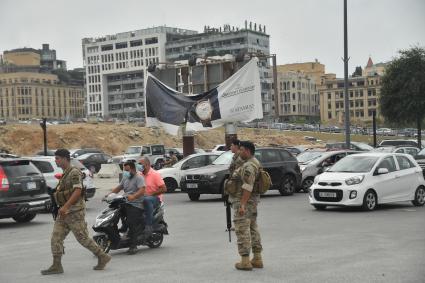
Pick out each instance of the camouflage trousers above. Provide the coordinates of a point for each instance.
(75, 222)
(246, 229)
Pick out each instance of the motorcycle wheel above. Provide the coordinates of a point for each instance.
(103, 242)
(155, 240)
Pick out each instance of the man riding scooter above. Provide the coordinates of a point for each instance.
(134, 188)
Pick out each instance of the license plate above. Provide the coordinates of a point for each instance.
(327, 195)
(31, 186)
(191, 186)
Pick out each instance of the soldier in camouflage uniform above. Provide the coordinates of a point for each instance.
(71, 214)
(244, 203)
(237, 161)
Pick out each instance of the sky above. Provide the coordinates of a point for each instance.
(300, 30)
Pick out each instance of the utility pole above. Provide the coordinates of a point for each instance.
(43, 125)
(346, 100)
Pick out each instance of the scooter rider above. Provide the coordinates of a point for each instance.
(134, 188)
(155, 187)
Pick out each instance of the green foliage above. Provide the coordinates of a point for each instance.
(402, 97)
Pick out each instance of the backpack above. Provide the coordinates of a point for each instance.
(263, 182)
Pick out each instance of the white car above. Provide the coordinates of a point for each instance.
(368, 179)
(173, 175)
(52, 173)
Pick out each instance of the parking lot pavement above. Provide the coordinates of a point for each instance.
(300, 245)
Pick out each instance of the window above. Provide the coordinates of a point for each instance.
(136, 43)
(412, 151)
(107, 47)
(404, 162)
(151, 40)
(285, 155)
(194, 162)
(388, 162)
(120, 45)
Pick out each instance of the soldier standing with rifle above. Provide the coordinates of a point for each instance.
(71, 216)
(244, 198)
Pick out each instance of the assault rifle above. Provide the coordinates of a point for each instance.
(54, 209)
(228, 217)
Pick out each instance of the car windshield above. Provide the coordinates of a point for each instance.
(354, 164)
(133, 150)
(308, 156)
(362, 146)
(224, 159)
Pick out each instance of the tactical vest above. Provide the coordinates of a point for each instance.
(64, 190)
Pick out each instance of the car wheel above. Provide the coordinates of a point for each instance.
(319, 206)
(23, 218)
(370, 201)
(287, 186)
(307, 183)
(194, 196)
(419, 197)
(170, 184)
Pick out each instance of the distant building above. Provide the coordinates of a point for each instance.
(116, 68)
(34, 87)
(364, 92)
(229, 40)
(298, 97)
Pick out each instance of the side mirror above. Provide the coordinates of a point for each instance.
(382, 171)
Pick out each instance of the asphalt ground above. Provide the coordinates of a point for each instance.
(300, 245)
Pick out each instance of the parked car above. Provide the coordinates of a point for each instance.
(52, 173)
(172, 175)
(219, 148)
(278, 162)
(358, 146)
(313, 163)
(413, 151)
(401, 142)
(23, 190)
(155, 153)
(93, 161)
(295, 150)
(80, 151)
(385, 132)
(420, 158)
(368, 179)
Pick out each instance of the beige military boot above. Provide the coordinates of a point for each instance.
(245, 264)
(102, 260)
(56, 267)
(257, 261)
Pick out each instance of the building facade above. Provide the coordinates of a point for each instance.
(298, 97)
(363, 91)
(251, 39)
(26, 96)
(116, 67)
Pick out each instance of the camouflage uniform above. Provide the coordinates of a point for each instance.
(75, 220)
(246, 228)
(237, 162)
(173, 160)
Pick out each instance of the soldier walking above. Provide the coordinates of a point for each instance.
(244, 203)
(71, 216)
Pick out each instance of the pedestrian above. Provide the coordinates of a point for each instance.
(71, 216)
(155, 188)
(133, 186)
(244, 201)
(173, 159)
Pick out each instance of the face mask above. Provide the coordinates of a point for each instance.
(126, 174)
(140, 167)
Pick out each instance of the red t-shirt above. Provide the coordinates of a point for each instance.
(153, 181)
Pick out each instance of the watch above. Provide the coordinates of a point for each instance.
(204, 111)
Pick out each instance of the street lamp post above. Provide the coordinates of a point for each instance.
(43, 125)
(346, 100)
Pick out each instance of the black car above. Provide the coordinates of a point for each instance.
(80, 151)
(93, 161)
(23, 190)
(281, 165)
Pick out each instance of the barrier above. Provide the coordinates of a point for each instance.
(109, 171)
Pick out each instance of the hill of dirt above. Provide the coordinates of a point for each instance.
(115, 138)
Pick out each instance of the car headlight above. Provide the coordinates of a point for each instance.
(354, 180)
(211, 177)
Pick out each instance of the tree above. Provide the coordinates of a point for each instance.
(403, 89)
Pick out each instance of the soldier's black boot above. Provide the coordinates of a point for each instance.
(56, 267)
(102, 260)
